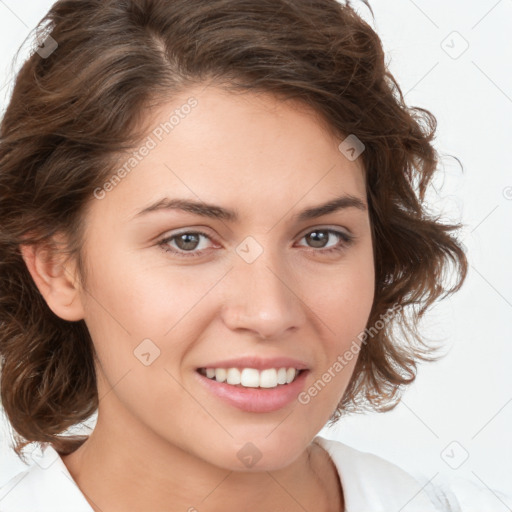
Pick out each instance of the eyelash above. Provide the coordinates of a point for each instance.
(347, 240)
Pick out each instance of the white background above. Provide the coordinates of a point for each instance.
(467, 397)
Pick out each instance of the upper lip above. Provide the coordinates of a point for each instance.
(258, 363)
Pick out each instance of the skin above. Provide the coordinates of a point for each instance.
(162, 441)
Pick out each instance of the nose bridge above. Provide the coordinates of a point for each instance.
(261, 295)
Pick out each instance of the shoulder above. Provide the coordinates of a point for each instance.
(464, 495)
(46, 486)
(371, 482)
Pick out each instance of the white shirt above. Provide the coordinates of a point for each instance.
(369, 482)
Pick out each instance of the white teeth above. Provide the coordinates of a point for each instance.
(252, 378)
(290, 375)
(233, 376)
(268, 378)
(220, 374)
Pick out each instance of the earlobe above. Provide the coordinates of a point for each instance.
(56, 280)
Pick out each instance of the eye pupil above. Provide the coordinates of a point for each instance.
(187, 238)
(188, 242)
(319, 238)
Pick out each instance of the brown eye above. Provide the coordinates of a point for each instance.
(319, 239)
(185, 243)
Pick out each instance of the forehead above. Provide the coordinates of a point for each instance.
(253, 151)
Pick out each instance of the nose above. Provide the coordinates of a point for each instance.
(263, 297)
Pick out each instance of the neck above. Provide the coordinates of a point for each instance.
(131, 469)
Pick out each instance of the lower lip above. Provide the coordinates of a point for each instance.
(256, 399)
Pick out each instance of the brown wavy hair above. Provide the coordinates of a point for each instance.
(71, 113)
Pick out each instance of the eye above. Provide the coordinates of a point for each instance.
(188, 243)
(320, 237)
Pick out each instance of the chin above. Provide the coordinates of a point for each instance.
(259, 453)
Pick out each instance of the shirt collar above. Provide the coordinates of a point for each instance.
(368, 482)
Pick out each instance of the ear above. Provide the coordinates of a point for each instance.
(56, 279)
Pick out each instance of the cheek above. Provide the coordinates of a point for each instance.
(140, 300)
(139, 313)
(344, 300)
(344, 306)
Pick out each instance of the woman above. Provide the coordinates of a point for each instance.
(211, 217)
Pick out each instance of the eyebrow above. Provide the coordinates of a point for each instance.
(221, 213)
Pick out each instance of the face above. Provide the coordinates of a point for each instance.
(260, 279)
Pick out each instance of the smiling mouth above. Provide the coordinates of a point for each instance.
(251, 377)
